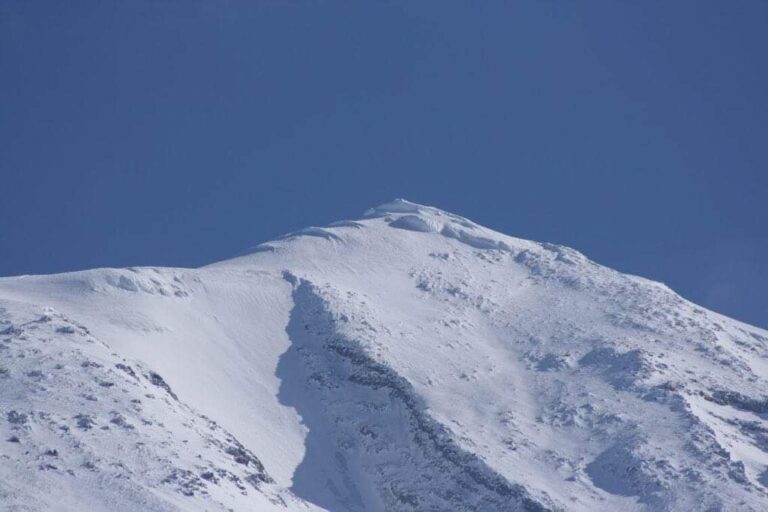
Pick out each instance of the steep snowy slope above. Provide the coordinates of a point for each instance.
(407, 361)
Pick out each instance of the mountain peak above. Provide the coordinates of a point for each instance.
(400, 206)
(410, 360)
(397, 205)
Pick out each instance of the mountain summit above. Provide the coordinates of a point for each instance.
(410, 360)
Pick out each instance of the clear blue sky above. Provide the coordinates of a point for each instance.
(181, 132)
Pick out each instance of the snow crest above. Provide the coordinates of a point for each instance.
(410, 360)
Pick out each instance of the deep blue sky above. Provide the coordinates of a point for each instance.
(180, 132)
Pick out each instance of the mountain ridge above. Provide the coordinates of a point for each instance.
(407, 360)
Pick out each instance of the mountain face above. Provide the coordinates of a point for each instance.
(408, 361)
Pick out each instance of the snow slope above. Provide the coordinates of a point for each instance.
(410, 360)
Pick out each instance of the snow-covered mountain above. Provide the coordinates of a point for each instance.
(408, 361)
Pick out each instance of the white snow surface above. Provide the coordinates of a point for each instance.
(410, 360)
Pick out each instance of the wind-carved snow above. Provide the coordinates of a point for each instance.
(95, 431)
(416, 223)
(410, 360)
(370, 435)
